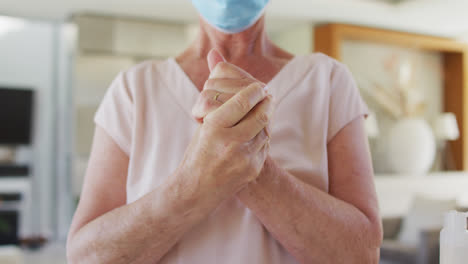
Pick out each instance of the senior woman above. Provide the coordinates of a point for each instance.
(189, 165)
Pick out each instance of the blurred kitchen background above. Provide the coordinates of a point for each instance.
(57, 58)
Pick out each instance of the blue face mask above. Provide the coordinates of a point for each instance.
(231, 16)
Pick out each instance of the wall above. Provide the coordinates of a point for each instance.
(27, 59)
(92, 76)
(296, 39)
(138, 38)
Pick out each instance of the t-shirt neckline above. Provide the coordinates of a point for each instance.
(272, 81)
(187, 93)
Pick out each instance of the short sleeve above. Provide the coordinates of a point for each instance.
(346, 103)
(115, 113)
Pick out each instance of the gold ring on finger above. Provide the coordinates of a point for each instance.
(216, 97)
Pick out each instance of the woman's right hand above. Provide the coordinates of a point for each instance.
(231, 145)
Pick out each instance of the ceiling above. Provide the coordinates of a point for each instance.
(435, 17)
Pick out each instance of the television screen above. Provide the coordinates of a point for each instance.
(15, 116)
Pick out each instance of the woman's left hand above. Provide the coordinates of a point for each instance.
(223, 83)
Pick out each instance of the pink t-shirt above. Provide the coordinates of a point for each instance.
(147, 111)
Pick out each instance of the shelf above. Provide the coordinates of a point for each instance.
(9, 197)
(396, 192)
(14, 170)
(15, 185)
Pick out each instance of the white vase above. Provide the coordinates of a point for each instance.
(411, 147)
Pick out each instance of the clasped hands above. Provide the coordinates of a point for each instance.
(230, 147)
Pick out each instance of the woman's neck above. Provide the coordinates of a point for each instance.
(252, 42)
(250, 50)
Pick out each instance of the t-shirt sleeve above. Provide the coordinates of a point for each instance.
(346, 103)
(115, 113)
